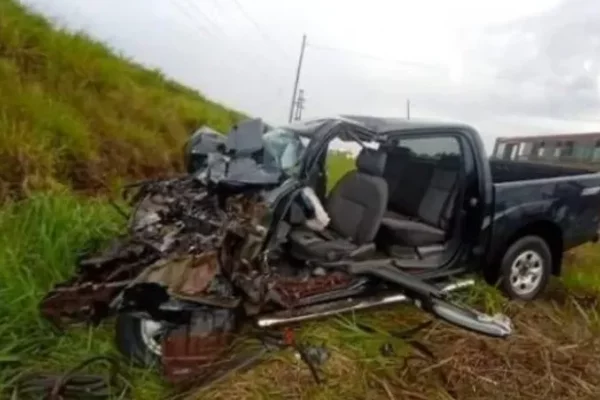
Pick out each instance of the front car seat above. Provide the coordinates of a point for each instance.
(356, 206)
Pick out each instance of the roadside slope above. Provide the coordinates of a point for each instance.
(74, 114)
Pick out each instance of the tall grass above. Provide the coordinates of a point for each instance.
(74, 114)
(41, 238)
(582, 270)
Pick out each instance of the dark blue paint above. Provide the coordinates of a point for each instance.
(554, 200)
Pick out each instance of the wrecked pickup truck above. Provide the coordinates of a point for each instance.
(253, 238)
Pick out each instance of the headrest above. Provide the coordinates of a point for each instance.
(371, 162)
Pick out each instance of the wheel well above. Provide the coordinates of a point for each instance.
(547, 230)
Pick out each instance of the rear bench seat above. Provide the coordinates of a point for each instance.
(422, 195)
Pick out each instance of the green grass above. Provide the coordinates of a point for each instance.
(74, 114)
(41, 239)
(338, 163)
(583, 267)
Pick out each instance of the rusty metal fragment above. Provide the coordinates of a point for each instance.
(187, 355)
(292, 290)
(190, 350)
(185, 276)
(87, 301)
(87, 296)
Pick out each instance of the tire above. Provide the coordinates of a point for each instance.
(132, 343)
(525, 268)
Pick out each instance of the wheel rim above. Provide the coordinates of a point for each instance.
(151, 332)
(526, 272)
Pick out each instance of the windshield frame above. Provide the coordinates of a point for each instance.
(334, 128)
(272, 158)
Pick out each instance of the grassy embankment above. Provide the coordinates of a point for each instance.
(74, 118)
(72, 114)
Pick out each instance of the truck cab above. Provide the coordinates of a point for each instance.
(449, 209)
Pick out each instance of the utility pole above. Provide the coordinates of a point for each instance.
(407, 108)
(299, 105)
(298, 69)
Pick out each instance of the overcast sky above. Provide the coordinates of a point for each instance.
(508, 68)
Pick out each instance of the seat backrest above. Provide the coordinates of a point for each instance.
(358, 201)
(438, 202)
(395, 166)
(408, 178)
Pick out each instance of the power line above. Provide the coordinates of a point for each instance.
(199, 11)
(218, 5)
(193, 5)
(195, 9)
(428, 66)
(203, 31)
(258, 28)
(378, 58)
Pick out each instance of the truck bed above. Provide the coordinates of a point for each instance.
(510, 171)
(563, 197)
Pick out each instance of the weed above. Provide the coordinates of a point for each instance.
(582, 272)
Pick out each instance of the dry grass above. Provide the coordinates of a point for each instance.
(553, 355)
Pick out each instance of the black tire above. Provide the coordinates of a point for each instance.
(129, 341)
(533, 252)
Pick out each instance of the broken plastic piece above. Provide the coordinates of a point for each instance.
(497, 325)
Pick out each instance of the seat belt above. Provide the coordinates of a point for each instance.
(321, 219)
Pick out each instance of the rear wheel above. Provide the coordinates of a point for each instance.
(139, 340)
(526, 268)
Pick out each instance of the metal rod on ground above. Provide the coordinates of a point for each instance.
(298, 69)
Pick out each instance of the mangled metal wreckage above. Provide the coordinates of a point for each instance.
(246, 240)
